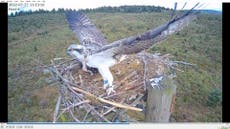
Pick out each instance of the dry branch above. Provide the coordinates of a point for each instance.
(88, 107)
(75, 118)
(107, 101)
(108, 111)
(86, 115)
(57, 108)
(74, 105)
(145, 70)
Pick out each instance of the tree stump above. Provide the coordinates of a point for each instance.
(160, 101)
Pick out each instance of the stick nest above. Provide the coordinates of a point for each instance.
(83, 99)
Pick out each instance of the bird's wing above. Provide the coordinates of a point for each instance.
(86, 32)
(135, 44)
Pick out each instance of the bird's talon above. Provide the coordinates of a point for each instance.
(110, 90)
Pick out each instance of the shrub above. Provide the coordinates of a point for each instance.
(214, 97)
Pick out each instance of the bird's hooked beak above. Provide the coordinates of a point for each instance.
(68, 52)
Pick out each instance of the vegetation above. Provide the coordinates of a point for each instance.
(107, 9)
(35, 38)
(127, 9)
(214, 98)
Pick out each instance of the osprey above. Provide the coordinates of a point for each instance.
(95, 52)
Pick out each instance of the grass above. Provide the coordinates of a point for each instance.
(37, 38)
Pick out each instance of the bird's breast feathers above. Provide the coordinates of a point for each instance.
(97, 61)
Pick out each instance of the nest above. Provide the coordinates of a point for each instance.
(83, 99)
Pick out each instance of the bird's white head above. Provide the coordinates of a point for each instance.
(76, 51)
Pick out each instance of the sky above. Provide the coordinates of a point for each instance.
(83, 4)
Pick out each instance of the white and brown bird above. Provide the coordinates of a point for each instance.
(95, 52)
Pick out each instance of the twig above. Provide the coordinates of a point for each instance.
(133, 85)
(52, 83)
(171, 64)
(135, 102)
(57, 108)
(108, 111)
(132, 82)
(68, 102)
(66, 61)
(68, 68)
(71, 112)
(71, 76)
(97, 113)
(59, 58)
(62, 111)
(145, 71)
(81, 80)
(173, 103)
(120, 93)
(88, 106)
(124, 91)
(112, 108)
(176, 69)
(129, 76)
(122, 112)
(86, 115)
(116, 116)
(125, 79)
(107, 101)
(74, 105)
(182, 62)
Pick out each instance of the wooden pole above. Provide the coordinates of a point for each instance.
(160, 101)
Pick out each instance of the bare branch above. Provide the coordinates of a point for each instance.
(108, 111)
(57, 108)
(75, 118)
(89, 107)
(145, 71)
(74, 105)
(182, 62)
(107, 101)
(86, 116)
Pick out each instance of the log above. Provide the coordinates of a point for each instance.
(160, 101)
